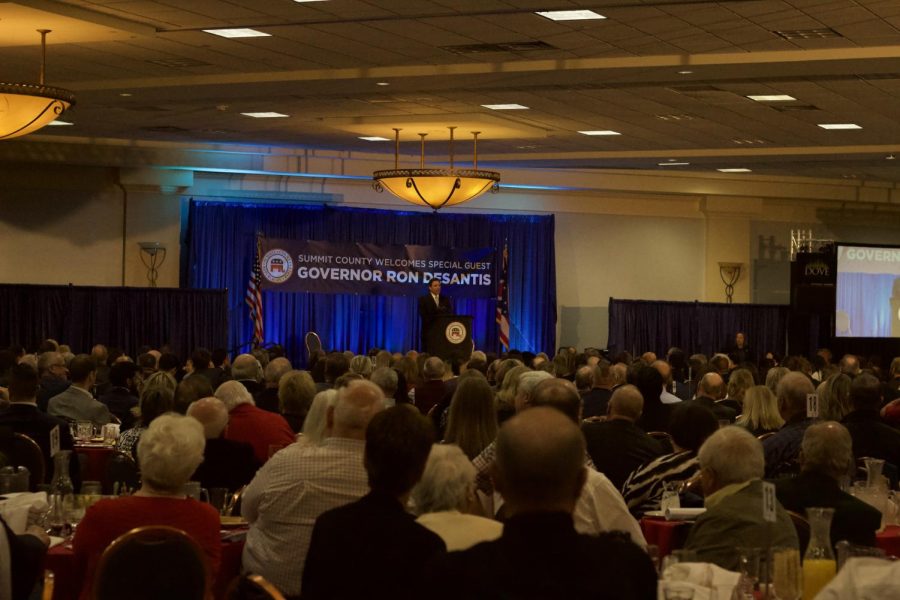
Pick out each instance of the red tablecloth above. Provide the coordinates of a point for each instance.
(666, 535)
(97, 456)
(889, 540)
(61, 560)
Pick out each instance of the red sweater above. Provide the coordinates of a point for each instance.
(259, 428)
(108, 519)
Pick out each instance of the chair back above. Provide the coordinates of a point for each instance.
(149, 563)
(252, 587)
(27, 453)
(121, 473)
(313, 342)
(802, 527)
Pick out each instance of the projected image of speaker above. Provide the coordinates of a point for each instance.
(867, 291)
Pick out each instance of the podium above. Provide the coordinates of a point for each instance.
(450, 337)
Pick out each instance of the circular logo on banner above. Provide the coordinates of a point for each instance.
(455, 332)
(277, 266)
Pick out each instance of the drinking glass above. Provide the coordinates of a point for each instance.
(110, 433)
(670, 497)
(749, 567)
(786, 575)
(217, 497)
(84, 431)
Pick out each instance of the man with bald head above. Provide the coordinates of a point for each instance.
(540, 473)
(226, 463)
(301, 482)
(826, 459)
(595, 401)
(617, 445)
(710, 390)
(248, 371)
(668, 395)
(782, 450)
(246, 423)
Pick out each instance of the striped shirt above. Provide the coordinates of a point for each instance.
(644, 487)
(286, 497)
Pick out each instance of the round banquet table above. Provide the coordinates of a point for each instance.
(889, 540)
(665, 535)
(96, 457)
(61, 561)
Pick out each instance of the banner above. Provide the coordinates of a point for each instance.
(327, 268)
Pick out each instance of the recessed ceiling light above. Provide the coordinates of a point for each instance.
(888, 157)
(237, 33)
(673, 164)
(382, 83)
(569, 15)
(839, 126)
(772, 98)
(600, 132)
(305, 1)
(59, 123)
(734, 170)
(264, 115)
(685, 72)
(373, 138)
(125, 94)
(505, 106)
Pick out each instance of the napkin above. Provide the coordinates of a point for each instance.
(705, 580)
(16, 509)
(683, 514)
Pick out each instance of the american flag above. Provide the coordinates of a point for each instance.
(253, 298)
(503, 300)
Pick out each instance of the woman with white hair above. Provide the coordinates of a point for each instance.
(169, 451)
(447, 488)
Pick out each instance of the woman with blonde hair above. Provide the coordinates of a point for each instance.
(834, 398)
(472, 424)
(760, 411)
(739, 382)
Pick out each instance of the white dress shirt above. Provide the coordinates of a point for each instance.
(601, 508)
(460, 531)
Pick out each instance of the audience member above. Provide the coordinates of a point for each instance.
(267, 432)
(201, 365)
(361, 365)
(668, 395)
(168, 454)
(446, 494)
(826, 460)
(336, 364)
(157, 398)
(189, 390)
(834, 398)
(23, 559)
(430, 393)
(540, 472)
(691, 425)
(121, 398)
(761, 413)
(871, 437)
(23, 416)
(849, 365)
(782, 449)
(375, 534)
(710, 391)
(268, 399)
(773, 378)
(296, 390)
(388, 380)
(596, 400)
(655, 415)
(53, 377)
(248, 371)
(731, 469)
(315, 427)
(584, 379)
(618, 446)
(76, 403)
(472, 419)
(226, 463)
(739, 382)
(301, 482)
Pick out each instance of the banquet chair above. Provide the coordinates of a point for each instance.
(252, 587)
(313, 342)
(122, 470)
(148, 563)
(27, 453)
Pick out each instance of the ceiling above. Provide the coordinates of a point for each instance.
(672, 77)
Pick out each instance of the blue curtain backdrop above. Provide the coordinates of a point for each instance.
(639, 326)
(866, 298)
(220, 243)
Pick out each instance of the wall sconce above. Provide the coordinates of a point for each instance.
(153, 255)
(730, 272)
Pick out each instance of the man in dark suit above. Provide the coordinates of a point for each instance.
(618, 446)
(596, 400)
(54, 377)
(826, 456)
(120, 399)
(431, 306)
(539, 470)
(226, 463)
(24, 416)
(710, 390)
(871, 436)
(387, 549)
(432, 392)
